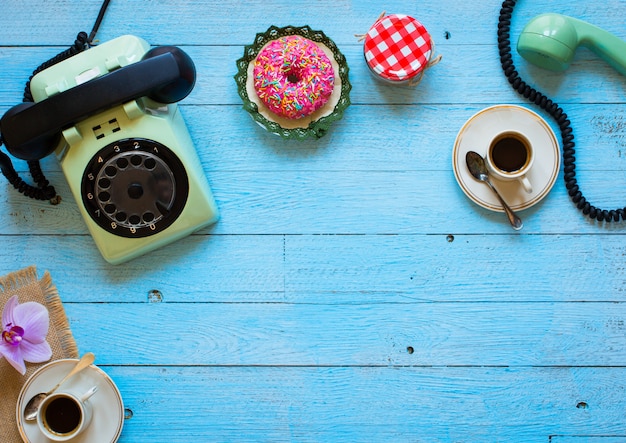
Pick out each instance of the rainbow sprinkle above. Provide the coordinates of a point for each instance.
(293, 77)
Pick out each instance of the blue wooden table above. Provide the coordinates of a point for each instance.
(350, 291)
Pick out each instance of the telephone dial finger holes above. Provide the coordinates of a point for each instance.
(135, 187)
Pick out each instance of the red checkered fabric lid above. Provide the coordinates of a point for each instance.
(397, 47)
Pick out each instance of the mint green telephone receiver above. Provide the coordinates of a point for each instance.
(549, 41)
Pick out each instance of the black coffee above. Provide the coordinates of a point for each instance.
(509, 154)
(62, 415)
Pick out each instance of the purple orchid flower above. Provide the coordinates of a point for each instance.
(24, 330)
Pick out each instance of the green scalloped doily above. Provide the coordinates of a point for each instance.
(317, 128)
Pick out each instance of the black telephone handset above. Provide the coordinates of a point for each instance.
(31, 131)
(43, 190)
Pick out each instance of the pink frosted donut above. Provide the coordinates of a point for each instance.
(293, 77)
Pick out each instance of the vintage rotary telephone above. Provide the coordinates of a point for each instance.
(109, 114)
(549, 41)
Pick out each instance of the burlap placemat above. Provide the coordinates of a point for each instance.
(25, 285)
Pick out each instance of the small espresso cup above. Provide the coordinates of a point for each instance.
(64, 415)
(510, 157)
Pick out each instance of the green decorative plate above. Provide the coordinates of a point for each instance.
(317, 124)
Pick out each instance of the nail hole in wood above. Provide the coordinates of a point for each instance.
(450, 238)
(155, 296)
(410, 349)
(128, 413)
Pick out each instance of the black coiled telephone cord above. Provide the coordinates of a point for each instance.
(43, 190)
(536, 97)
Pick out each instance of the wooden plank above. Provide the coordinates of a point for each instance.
(422, 146)
(470, 268)
(354, 404)
(336, 269)
(236, 23)
(362, 334)
(232, 268)
(483, 82)
(341, 202)
(586, 438)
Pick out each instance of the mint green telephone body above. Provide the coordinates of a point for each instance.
(132, 169)
(550, 40)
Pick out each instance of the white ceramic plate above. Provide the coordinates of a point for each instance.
(476, 134)
(108, 409)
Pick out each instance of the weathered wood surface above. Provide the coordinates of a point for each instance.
(350, 291)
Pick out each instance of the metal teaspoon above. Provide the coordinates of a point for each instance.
(30, 411)
(477, 167)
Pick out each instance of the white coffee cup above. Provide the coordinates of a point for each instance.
(510, 157)
(64, 415)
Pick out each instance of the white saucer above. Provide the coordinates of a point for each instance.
(108, 410)
(476, 134)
